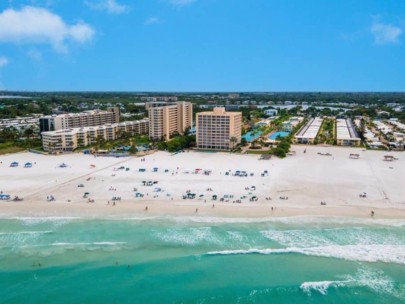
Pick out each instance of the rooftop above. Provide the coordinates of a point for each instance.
(311, 129)
(345, 129)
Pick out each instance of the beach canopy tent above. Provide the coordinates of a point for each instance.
(62, 165)
(14, 164)
(4, 197)
(28, 165)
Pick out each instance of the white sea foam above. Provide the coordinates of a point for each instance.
(87, 244)
(57, 220)
(20, 238)
(236, 236)
(188, 236)
(363, 253)
(336, 236)
(321, 287)
(374, 280)
(291, 220)
(45, 250)
(24, 233)
(136, 218)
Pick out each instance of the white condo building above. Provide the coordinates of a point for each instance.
(79, 120)
(70, 139)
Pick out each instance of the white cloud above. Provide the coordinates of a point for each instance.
(39, 25)
(3, 61)
(181, 2)
(385, 33)
(152, 20)
(111, 6)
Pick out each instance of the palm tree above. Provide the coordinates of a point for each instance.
(233, 140)
(28, 133)
(80, 142)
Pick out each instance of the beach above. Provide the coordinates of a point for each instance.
(283, 247)
(293, 186)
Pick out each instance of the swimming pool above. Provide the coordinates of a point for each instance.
(249, 136)
(278, 133)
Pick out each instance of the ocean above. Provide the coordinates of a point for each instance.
(202, 260)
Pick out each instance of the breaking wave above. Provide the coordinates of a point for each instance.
(362, 253)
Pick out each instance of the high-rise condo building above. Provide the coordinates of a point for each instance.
(167, 119)
(218, 130)
(79, 120)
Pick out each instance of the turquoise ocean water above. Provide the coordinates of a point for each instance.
(202, 260)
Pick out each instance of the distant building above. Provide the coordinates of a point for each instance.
(232, 107)
(159, 98)
(216, 129)
(290, 124)
(78, 120)
(70, 139)
(166, 119)
(384, 128)
(346, 134)
(383, 113)
(271, 112)
(233, 96)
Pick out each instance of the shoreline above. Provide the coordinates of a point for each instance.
(123, 210)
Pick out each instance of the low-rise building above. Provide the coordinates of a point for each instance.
(384, 128)
(71, 139)
(308, 133)
(290, 124)
(346, 134)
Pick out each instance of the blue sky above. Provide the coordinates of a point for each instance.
(202, 45)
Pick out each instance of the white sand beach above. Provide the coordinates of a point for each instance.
(293, 186)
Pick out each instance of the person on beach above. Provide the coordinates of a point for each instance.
(196, 210)
(372, 213)
(146, 208)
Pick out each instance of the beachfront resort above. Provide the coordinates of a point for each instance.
(337, 161)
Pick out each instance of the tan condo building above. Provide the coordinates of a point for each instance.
(167, 119)
(218, 130)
